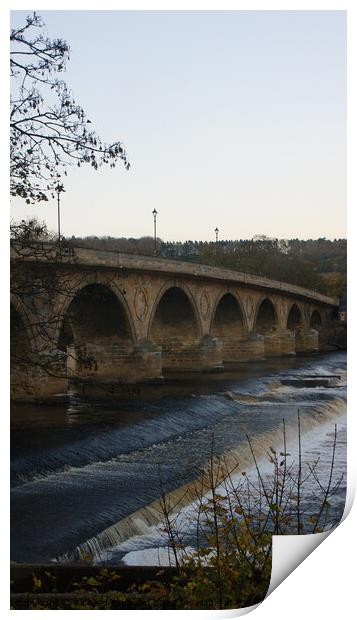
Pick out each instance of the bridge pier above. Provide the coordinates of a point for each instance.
(107, 367)
(272, 344)
(306, 341)
(279, 343)
(147, 359)
(211, 354)
(287, 342)
(325, 338)
(236, 350)
(38, 370)
(202, 356)
(41, 380)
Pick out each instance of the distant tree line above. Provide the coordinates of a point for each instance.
(319, 264)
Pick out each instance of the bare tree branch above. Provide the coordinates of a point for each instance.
(48, 129)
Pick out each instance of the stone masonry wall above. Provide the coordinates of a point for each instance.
(134, 319)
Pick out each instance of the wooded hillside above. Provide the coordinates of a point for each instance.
(319, 264)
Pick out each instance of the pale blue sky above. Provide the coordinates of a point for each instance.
(233, 119)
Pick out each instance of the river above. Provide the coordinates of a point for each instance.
(83, 475)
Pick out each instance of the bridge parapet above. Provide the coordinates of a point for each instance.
(135, 262)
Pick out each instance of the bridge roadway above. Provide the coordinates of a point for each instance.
(100, 318)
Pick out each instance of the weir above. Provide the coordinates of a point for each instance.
(148, 522)
(107, 465)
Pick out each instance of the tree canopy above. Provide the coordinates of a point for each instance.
(48, 129)
(319, 264)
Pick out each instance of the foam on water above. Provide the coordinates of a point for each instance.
(153, 549)
(93, 484)
(142, 529)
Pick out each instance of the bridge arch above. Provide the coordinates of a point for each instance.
(266, 317)
(227, 309)
(20, 340)
(182, 288)
(175, 327)
(96, 332)
(228, 323)
(315, 320)
(64, 302)
(294, 319)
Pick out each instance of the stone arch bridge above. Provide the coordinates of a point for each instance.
(108, 318)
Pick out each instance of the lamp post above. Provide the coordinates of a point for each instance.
(155, 243)
(59, 189)
(216, 230)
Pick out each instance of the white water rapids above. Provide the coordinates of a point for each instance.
(87, 479)
(151, 548)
